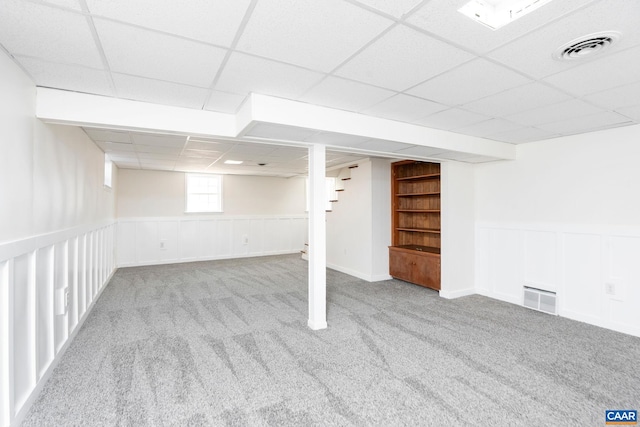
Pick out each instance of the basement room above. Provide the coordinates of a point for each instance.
(337, 212)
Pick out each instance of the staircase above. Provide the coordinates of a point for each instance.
(343, 177)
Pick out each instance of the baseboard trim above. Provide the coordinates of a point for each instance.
(457, 294)
(214, 258)
(359, 275)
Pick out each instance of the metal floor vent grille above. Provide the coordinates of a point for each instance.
(540, 300)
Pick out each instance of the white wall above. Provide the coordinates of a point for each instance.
(565, 217)
(262, 216)
(56, 234)
(457, 226)
(359, 226)
(162, 194)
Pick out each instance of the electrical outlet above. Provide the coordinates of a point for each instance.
(163, 245)
(245, 240)
(610, 289)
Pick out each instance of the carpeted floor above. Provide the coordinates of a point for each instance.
(226, 343)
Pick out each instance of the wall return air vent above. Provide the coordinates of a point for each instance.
(586, 46)
(540, 300)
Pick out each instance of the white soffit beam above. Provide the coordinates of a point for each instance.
(72, 108)
(269, 109)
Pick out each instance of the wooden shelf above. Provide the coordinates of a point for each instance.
(429, 249)
(418, 177)
(416, 236)
(420, 230)
(433, 193)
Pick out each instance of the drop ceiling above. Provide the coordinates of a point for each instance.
(420, 63)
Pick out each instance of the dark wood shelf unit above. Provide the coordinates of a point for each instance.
(420, 177)
(433, 193)
(415, 252)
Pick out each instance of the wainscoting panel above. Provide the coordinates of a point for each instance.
(582, 276)
(540, 260)
(504, 268)
(48, 284)
(594, 270)
(149, 241)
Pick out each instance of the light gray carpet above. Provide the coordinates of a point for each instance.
(226, 343)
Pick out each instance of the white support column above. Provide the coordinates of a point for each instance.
(317, 238)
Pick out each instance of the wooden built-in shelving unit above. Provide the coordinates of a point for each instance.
(415, 251)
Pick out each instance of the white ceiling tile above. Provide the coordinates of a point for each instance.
(158, 140)
(282, 132)
(404, 108)
(532, 54)
(521, 135)
(344, 94)
(554, 113)
(468, 82)
(585, 123)
(244, 74)
(382, 145)
(329, 138)
(418, 150)
(631, 112)
(108, 135)
(157, 149)
(401, 59)
(251, 149)
(200, 155)
(441, 17)
(619, 97)
(166, 166)
(224, 102)
(488, 127)
(209, 145)
(452, 118)
(124, 157)
(145, 53)
(156, 156)
(516, 100)
(67, 4)
(115, 147)
(68, 77)
(203, 161)
(395, 8)
(159, 92)
(319, 35)
(211, 21)
(47, 33)
(607, 72)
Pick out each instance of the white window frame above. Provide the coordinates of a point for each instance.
(211, 208)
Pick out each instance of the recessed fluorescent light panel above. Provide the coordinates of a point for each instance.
(498, 13)
(233, 162)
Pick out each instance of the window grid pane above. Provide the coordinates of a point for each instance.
(204, 193)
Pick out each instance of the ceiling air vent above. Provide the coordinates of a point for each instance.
(586, 46)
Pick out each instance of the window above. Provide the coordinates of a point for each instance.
(204, 193)
(108, 171)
